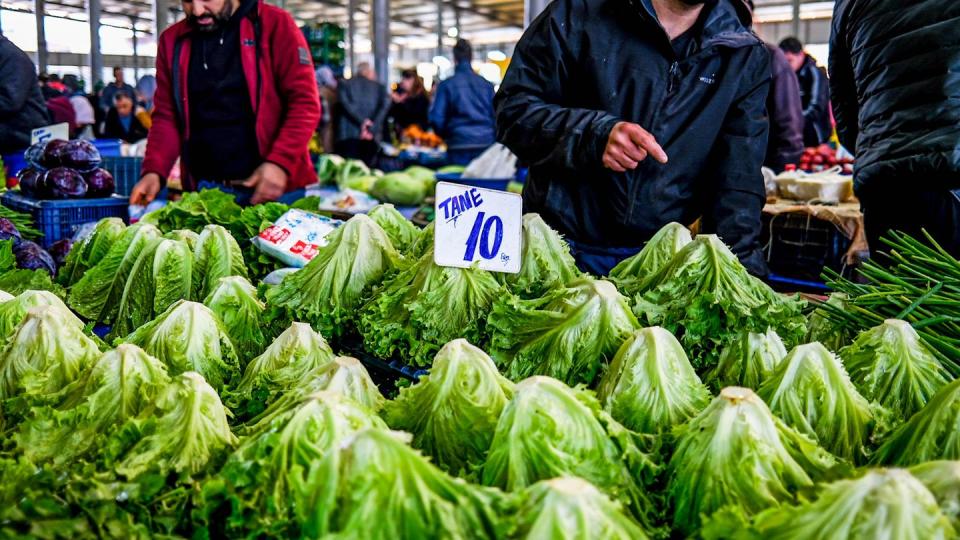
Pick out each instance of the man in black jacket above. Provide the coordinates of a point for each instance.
(896, 98)
(362, 106)
(597, 86)
(814, 92)
(22, 108)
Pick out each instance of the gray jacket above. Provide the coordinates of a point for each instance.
(22, 108)
(359, 99)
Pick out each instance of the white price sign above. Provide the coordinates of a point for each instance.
(56, 131)
(477, 227)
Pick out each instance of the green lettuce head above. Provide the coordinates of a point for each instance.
(236, 304)
(46, 352)
(329, 290)
(189, 337)
(570, 508)
(748, 360)
(650, 386)
(889, 364)
(120, 385)
(188, 237)
(91, 250)
(707, 297)
(426, 306)
(568, 334)
(883, 503)
(630, 274)
(453, 412)
(96, 296)
(385, 490)
(549, 430)
(942, 478)
(288, 362)
(399, 188)
(187, 431)
(812, 392)
(399, 229)
(161, 276)
(217, 255)
(422, 244)
(546, 262)
(930, 434)
(12, 312)
(821, 328)
(737, 453)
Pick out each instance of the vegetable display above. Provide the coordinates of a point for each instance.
(930, 434)
(630, 274)
(91, 250)
(546, 262)
(234, 301)
(748, 360)
(401, 232)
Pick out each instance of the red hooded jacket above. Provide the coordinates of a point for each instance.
(283, 92)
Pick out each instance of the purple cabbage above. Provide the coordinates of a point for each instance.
(64, 183)
(59, 251)
(31, 256)
(34, 155)
(30, 182)
(80, 155)
(54, 154)
(9, 231)
(99, 183)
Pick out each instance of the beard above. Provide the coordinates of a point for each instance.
(219, 19)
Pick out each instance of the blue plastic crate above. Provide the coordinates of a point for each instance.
(125, 171)
(108, 147)
(59, 219)
(488, 183)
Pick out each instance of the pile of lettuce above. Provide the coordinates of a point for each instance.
(748, 360)
(546, 262)
(630, 274)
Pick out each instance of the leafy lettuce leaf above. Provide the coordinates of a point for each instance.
(930, 434)
(13, 312)
(235, 302)
(942, 478)
(161, 276)
(399, 229)
(630, 274)
(748, 360)
(91, 250)
(216, 255)
(546, 262)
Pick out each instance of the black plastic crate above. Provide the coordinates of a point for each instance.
(59, 219)
(799, 246)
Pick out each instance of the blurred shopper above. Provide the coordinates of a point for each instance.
(814, 92)
(123, 122)
(58, 103)
(895, 82)
(362, 105)
(118, 85)
(411, 104)
(82, 108)
(462, 111)
(327, 88)
(22, 107)
(593, 91)
(236, 101)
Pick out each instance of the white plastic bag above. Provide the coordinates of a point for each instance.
(296, 237)
(495, 162)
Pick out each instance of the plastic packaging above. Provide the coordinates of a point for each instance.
(496, 162)
(828, 186)
(296, 237)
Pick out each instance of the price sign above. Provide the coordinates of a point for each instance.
(56, 131)
(477, 227)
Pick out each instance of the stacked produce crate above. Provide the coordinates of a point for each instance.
(326, 42)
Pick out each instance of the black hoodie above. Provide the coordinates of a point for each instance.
(585, 65)
(22, 108)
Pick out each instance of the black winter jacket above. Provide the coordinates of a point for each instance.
(815, 98)
(22, 108)
(895, 82)
(585, 65)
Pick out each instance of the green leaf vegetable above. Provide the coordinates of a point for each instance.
(891, 365)
(399, 188)
(216, 256)
(550, 430)
(705, 296)
(570, 508)
(12, 312)
(161, 276)
(5, 296)
(235, 303)
(91, 250)
(287, 362)
(453, 412)
(96, 296)
(822, 327)
(737, 453)
(630, 274)
(329, 290)
(568, 334)
(546, 262)
(424, 307)
(190, 337)
(328, 166)
(942, 478)
(748, 360)
(399, 229)
(186, 236)
(650, 386)
(422, 244)
(932, 433)
(196, 210)
(23, 221)
(350, 168)
(811, 391)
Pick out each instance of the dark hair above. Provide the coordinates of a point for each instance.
(462, 51)
(418, 87)
(120, 95)
(791, 45)
(72, 82)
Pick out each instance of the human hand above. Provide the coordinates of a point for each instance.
(365, 133)
(628, 145)
(269, 182)
(145, 191)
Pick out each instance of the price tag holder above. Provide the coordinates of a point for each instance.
(48, 133)
(477, 227)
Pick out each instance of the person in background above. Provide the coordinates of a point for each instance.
(362, 105)
(327, 88)
(123, 122)
(146, 88)
(462, 111)
(82, 108)
(22, 107)
(118, 85)
(411, 104)
(236, 101)
(58, 103)
(895, 87)
(814, 93)
(99, 114)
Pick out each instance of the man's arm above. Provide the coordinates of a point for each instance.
(383, 106)
(346, 103)
(163, 141)
(438, 111)
(736, 196)
(16, 80)
(530, 118)
(294, 74)
(843, 90)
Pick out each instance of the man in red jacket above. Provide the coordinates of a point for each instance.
(236, 100)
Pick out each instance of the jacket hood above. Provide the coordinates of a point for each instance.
(728, 22)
